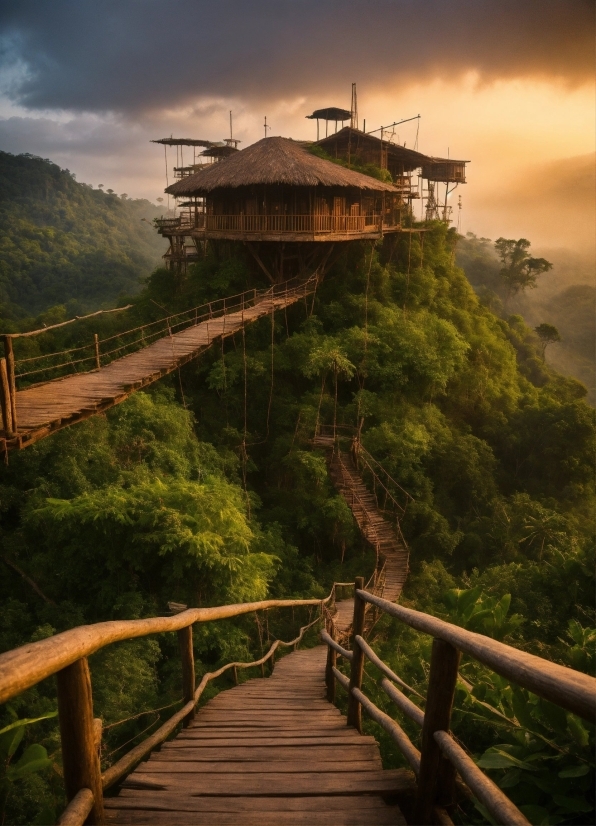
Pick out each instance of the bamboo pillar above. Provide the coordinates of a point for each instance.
(329, 675)
(9, 355)
(77, 731)
(436, 781)
(354, 707)
(188, 670)
(96, 345)
(5, 399)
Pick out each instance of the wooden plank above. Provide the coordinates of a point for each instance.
(168, 801)
(227, 785)
(341, 739)
(167, 766)
(250, 817)
(175, 751)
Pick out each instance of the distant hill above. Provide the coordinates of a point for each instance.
(565, 297)
(63, 242)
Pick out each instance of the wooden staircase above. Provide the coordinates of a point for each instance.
(392, 556)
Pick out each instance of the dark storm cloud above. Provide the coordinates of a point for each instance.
(140, 54)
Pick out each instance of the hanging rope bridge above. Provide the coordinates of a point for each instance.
(72, 385)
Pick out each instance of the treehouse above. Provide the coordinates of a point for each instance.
(362, 148)
(277, 191)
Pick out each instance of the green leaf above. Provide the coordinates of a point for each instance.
(510, 779)
(28, 721)
(497, 759)
(577, 730)
(34, 759)
(573, 804)
(575, 771)
(9, 741)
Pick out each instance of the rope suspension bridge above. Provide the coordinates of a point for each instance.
(274, 750)
(106, 371)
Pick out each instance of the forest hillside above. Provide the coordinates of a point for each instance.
(206, 489)
(63, 242)
(565, 297)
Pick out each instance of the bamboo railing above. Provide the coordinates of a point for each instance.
(440, 758)
(66, 655)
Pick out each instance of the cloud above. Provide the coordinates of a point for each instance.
(143, 55)
(550, 203)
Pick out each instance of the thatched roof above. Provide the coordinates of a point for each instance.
(410, 157)
(185, 142)
(274, 161)
(331, 113)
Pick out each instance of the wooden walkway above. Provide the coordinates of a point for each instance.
(45, 408)
(270, 751)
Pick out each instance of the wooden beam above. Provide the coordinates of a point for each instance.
(80, 759)
(354, 708)
(188, 670)
(436, 781)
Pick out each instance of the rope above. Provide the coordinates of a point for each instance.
(140, 714)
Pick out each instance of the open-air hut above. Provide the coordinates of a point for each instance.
(277, 190)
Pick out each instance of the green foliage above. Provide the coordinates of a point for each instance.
(365, 169)
(19, 761)
(219, 496)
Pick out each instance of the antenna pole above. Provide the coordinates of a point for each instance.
(231, 135)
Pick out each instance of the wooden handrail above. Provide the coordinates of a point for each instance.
(437, 779)
(570, 689)
(66, 655)
(23, 667)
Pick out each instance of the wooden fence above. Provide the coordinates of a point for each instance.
(66, 656)
(441, 758)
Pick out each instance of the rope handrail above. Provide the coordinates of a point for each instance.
(64, 323)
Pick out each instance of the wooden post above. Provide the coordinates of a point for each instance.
(5, 399)
(9, 355)
(77, 731)
(272, 662)
(331, 662)
(262, 669)
(188, 670)
(436, 781)
(235, 673)
(354, 707)
(96, 344)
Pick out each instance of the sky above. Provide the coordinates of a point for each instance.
(508, 85)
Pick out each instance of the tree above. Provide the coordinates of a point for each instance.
(547, 335)
(520, 270)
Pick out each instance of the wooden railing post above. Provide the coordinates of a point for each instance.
(12, 386)
(5, 399)
(436, 781)
(80, 757)
(96, 345)
(354, 708)
(188, 670)
(331, 662)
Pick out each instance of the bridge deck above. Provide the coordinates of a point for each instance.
(45, 408)
(267, 752)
